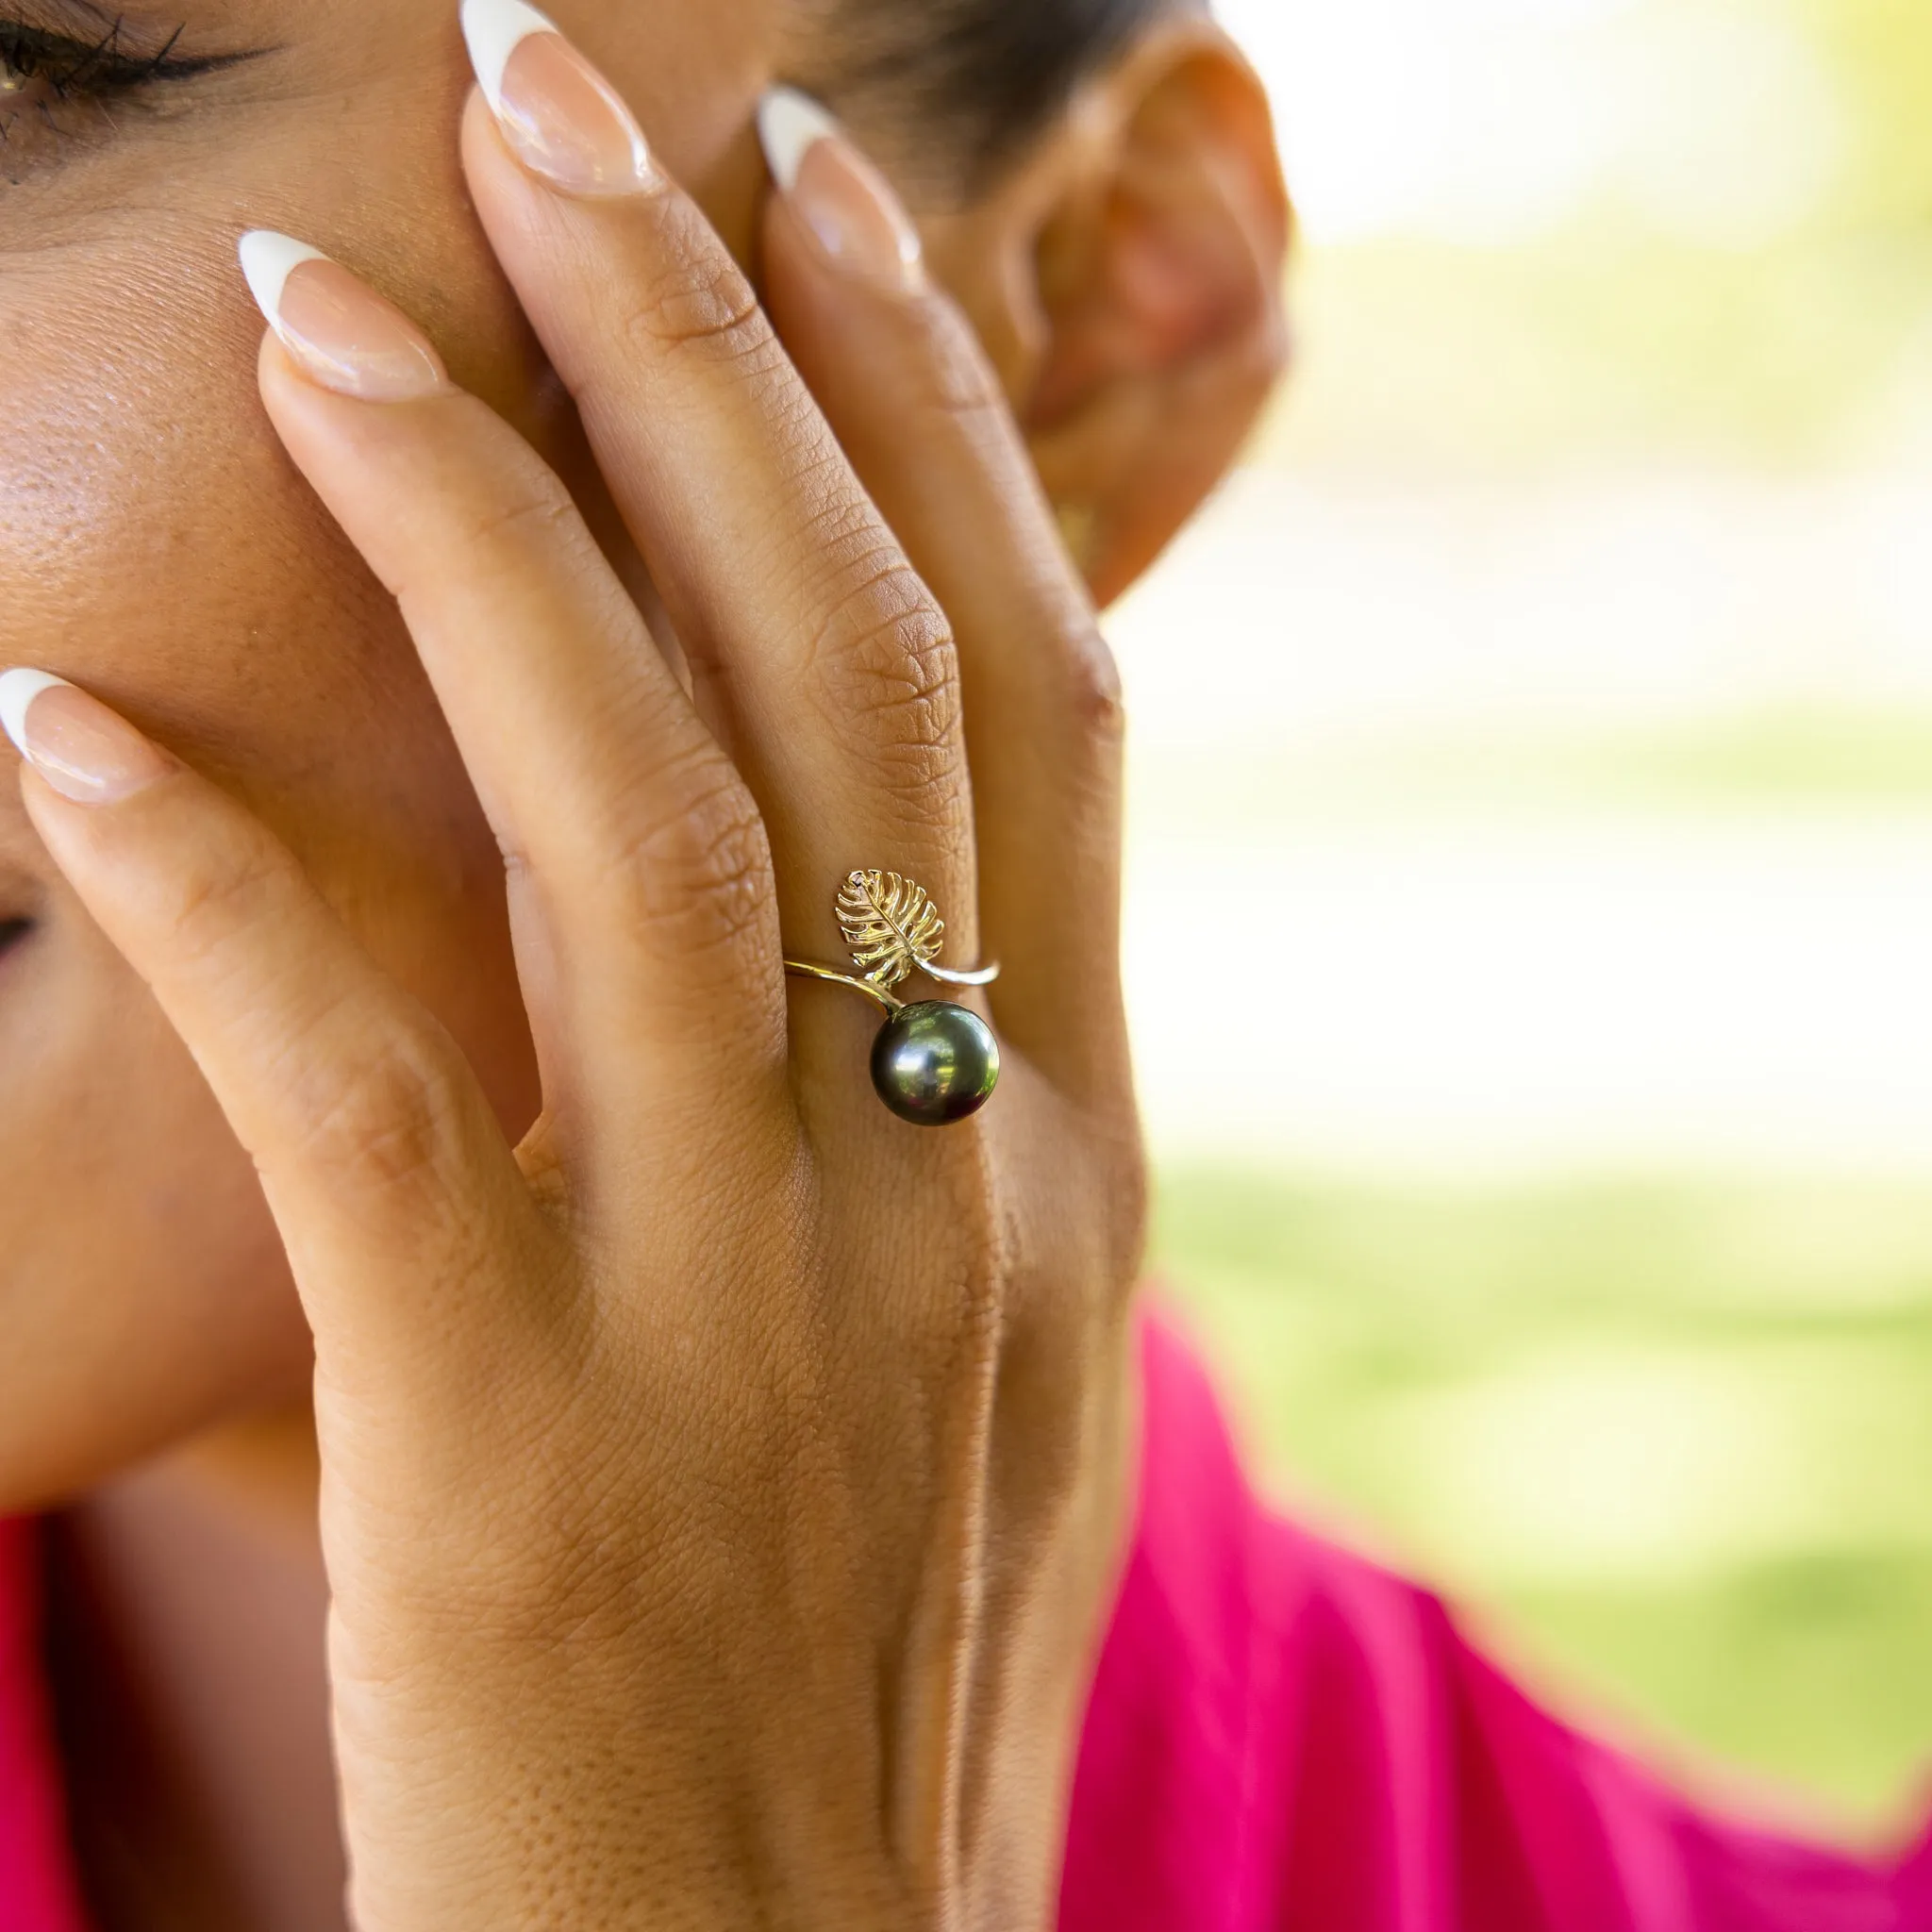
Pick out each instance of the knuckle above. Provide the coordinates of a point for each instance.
(485, 504)
(226, 890)
(699, 876)
(384, 1122)
(888, 660)
(695, 297)
(538, 508)
(1094, 697)
(493, 536)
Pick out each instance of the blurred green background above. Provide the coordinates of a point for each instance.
(1544, 716)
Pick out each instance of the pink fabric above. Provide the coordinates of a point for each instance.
(37, 1893)
(1284, 1738)
(1281, 1738)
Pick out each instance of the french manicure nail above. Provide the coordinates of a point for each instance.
(83, 749)
(843, 199)
(564, 121)
(344, 334)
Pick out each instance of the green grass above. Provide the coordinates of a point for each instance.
(1673, 1442)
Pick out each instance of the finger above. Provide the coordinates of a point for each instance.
(389, 1180)
(902, 381)
(640, 879)
(829, 663)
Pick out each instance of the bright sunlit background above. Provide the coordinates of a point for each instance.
(1542, 724)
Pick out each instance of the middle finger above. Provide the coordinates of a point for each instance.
(825, 663)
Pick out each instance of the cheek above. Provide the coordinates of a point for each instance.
(156, 546)
(141, 1289)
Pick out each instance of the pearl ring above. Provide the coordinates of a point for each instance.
(933, 1063)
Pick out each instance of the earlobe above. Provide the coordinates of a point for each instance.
(1160, 299)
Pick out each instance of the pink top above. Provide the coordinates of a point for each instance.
(1282, 1738)
(38, 1891)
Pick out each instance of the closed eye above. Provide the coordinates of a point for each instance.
(64, 64)
(58, 57)
(109, 60)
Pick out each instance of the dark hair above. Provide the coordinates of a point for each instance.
(975, 79)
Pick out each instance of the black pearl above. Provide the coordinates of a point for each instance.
(935, 1063)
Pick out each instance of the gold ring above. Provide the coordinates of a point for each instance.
(933, 1063)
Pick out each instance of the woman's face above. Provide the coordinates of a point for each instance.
(156, 546)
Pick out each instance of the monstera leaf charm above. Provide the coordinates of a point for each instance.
(892, 926)
(933, 1062)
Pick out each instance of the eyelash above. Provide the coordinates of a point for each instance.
(80, 68)
(42, 72)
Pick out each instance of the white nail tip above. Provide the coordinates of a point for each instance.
(18, 690)
(494, 30)
(789, 125)
(268, 260)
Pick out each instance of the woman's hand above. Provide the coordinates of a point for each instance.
(720, 1486)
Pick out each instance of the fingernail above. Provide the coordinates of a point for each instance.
(843, 199)
(82, 749)
(344, 336)
(564, 121)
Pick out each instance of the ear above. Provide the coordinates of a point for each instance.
(1129, 281)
